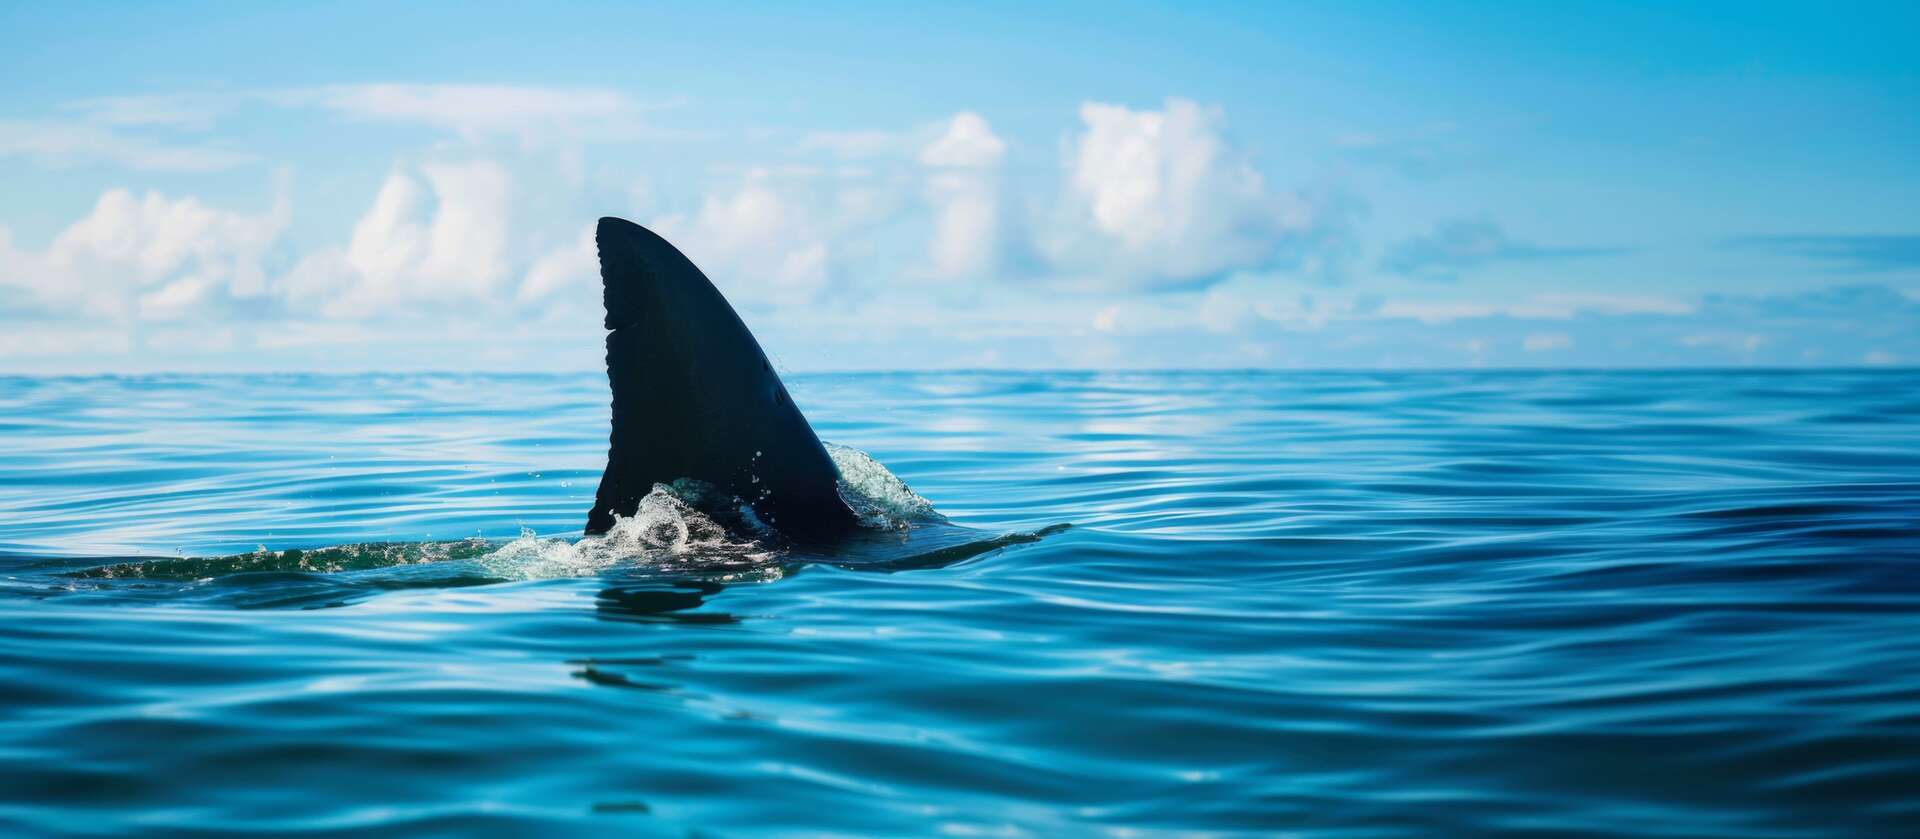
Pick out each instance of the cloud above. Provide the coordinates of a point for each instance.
(1565, 304)
(147, 256)
(194, 340)
(475, 111)
(179, 110)
(957, 162)
(1550, 306)
(1845, 301)
(67, 143)
(967, 142)
(1161, 198)
(572, 264)
(1154, 240)
(1420, 152)
(963, 189)
(116, 130)
(856, 144)
(1862, 254)
(1735, 342)
(1460, 245)
(37, 341)
(1546, 341)
(442, 236)
(758, 242)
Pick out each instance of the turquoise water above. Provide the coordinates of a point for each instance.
(1315, 604)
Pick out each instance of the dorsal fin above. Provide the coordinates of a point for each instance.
(694, 397)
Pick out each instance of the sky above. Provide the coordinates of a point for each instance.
(232, 187)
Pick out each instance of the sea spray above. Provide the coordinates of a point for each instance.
(877, 496)
(665, 531)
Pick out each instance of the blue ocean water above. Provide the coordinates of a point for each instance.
(1303, 604)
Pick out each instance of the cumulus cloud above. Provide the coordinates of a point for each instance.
(834, 246)
(1460, 245)
(573, 264)
(756, 241)
(442, 236)
(967, 142)
(147, 256)
(1161, 197)
(963, 190)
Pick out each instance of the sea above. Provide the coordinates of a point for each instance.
(1159, 604)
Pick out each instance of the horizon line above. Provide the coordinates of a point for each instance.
(883, 371)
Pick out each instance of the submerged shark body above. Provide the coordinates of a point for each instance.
(694, 398)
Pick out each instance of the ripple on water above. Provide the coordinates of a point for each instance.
(1317, 604)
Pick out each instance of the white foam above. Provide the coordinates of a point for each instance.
(668, 531)
(663, 532)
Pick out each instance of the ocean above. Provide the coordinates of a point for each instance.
(1312, 604)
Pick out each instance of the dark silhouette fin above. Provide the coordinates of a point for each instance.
(694, 397)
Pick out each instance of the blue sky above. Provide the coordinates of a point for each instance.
(257, 186)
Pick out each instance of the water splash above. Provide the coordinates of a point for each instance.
(679, 527)
(877, 496)
(665, 532)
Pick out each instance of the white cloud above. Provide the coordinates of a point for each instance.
(967, 142)
(1161, 196)
(1613, 304)
(182, 110)
(1244, 301)
(575, 263)
(60, 144)
(1542, 306)
(190, 340)
(107, 128)
(855, 144)
(305, 335)
(400, 253)
(149, 256)
(966, 225)
(35, 341)
(477, 110)
(1546, 341)
(963, 190)
(1107, 319)
(757, 241)
(1729, 341)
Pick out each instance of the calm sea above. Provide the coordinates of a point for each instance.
(1312, 604)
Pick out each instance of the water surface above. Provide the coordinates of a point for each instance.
(1317, 604)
